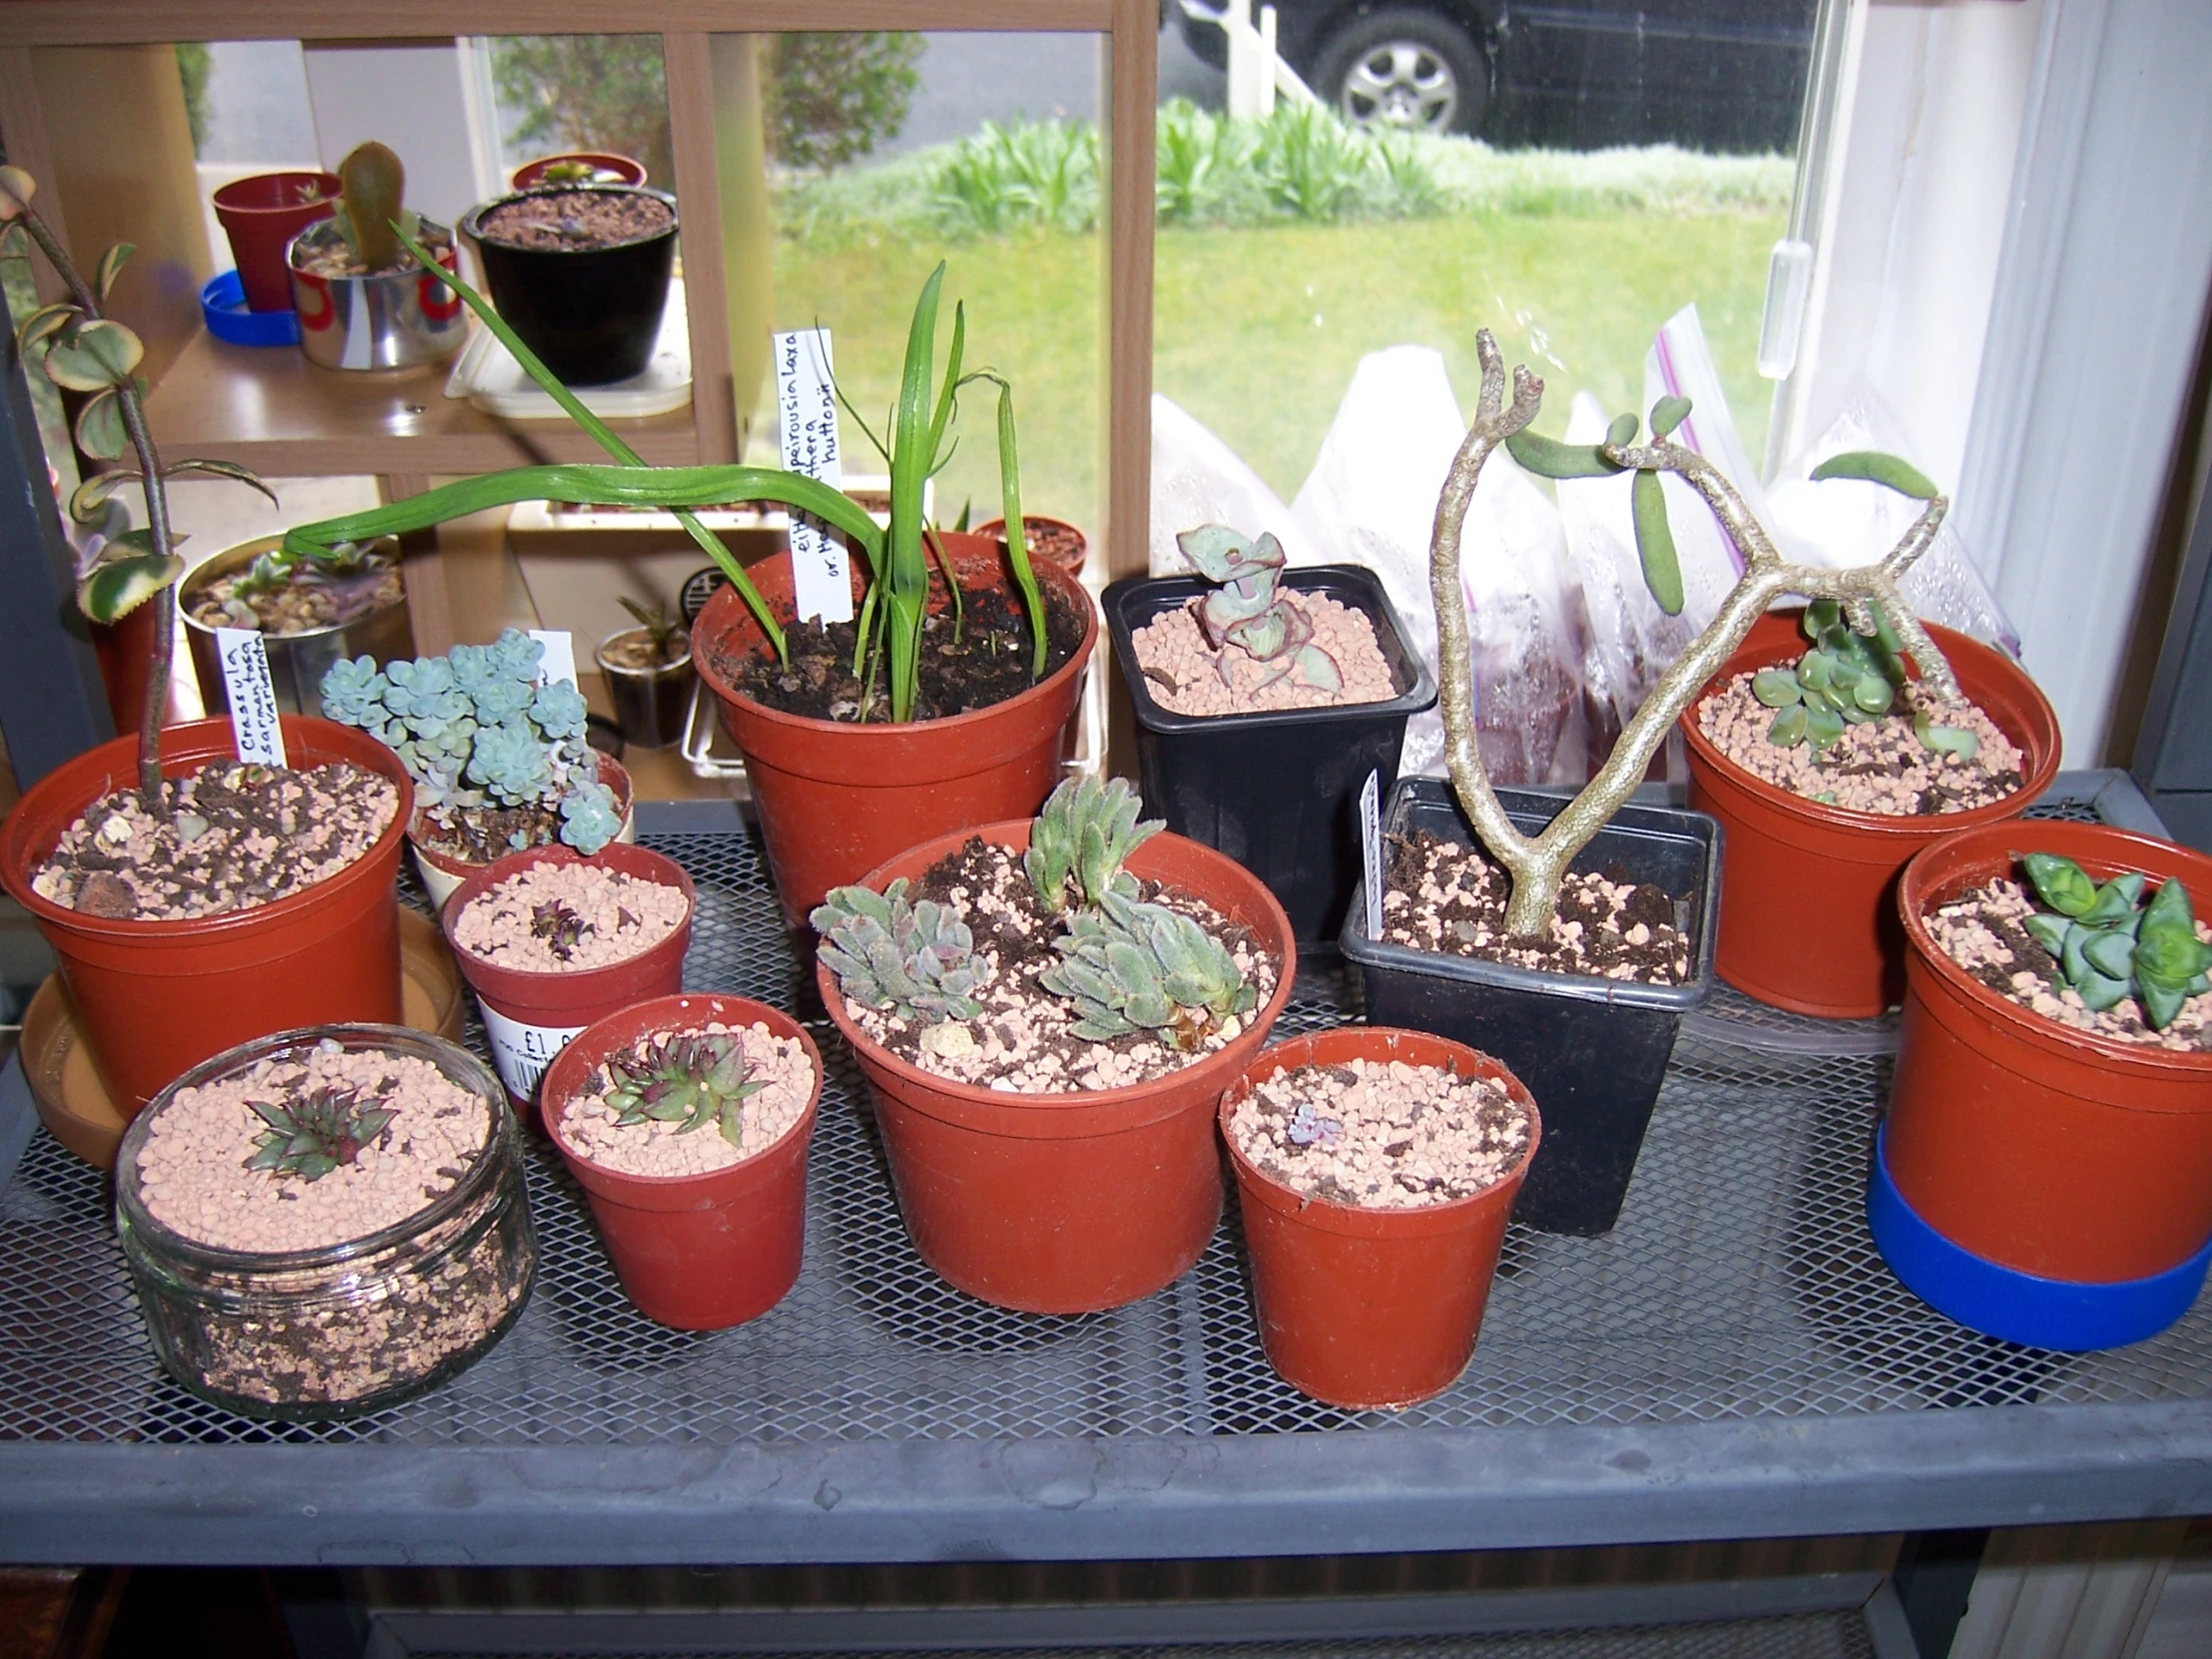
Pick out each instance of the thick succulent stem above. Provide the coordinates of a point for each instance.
(1536, 865)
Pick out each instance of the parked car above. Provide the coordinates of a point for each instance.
(1568, 74)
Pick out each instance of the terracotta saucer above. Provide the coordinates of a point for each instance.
(73, 1100)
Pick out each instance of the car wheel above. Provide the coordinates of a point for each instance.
(1405, 70)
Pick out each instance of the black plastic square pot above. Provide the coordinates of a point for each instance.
(1279, 792)
(1592, 1051)
(592, 314)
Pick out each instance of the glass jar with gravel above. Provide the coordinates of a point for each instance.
(325, 1222)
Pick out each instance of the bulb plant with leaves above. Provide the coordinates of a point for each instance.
(666, 634)
(2108, 949)
(83, 350)
(1536, 865)
(1846, 680)
(691, 1079)
(913, 959)
(1249, 609)
(321, 1131)
(1087, 827)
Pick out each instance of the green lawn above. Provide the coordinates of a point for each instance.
(1257, 329)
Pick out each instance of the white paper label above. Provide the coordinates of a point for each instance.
(558, 665)
(806, 432)
(1371, 849)
(520, 1053)
(251, 694)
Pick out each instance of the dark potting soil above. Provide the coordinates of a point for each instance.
(577, 220)
(1021, 1041)
(986, 665)
(1443, 898)
(230, 836)
(1050, 541)
(482, 834)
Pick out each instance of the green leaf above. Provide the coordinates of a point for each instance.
(91, 497)
(121, 586)
(1873, 695)
(1775, 688)
(2169, 907)
(1875, 467)
(1017, 539)
(1789, 728)
(110, 268)
(1655, 542)
(1824, 727)
(1945, 739)
(2160, 1005)
(1549, 459)
(1622, 432)
(2064, 885)
(2049, 932)
(2101, 991)
(1814, 671)
(2111, 954)
(2115, 901)
(47, 319)
(2074, 959)
(98, 353)
(221, 469)
(99, 429)
(1667, 414)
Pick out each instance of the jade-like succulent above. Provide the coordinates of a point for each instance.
(1085, 832)
(689, 1079)
(2108, 950)
(1247, 608)
(1847, 678)
(1130, 966)
(313, 1136)
(916, 960)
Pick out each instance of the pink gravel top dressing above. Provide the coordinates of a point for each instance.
(599, 916)
(193, 1175)
(650, 1148)
(1381, 1134)
(1184, 673)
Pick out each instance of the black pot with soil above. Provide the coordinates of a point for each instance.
(1593, 1049)
(581, 273)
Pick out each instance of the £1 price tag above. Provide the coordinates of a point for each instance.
(1371, 849)
(520, 1052)
(252, 695)
(807, 434)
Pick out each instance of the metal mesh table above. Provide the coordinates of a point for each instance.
(1733, 1359)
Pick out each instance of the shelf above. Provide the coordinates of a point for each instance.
(267, 407)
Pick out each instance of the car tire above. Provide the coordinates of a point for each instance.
(1404, 68)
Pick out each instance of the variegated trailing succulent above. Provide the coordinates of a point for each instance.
(1847, 678)
(2108, 950)
(322, 1131)
(1249, 610)
(689, 1079)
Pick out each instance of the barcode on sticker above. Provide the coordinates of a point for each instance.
(807, 434)
(251, 695)
(520, 1053)
(558, 665)
(1371, 849)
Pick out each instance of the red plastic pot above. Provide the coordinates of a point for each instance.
(155, 998)
(261, 216)
(530, 1017)
(1361, 1307)
(697, 1252)
(1808, 890)
(995, 530)
(1067, 1203)
(2039, 1147)
(624, 170)
(443, 873)
(836, 799)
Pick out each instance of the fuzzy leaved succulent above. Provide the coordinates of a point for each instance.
(689, 1079)
(2108, 950)
(1087, 827)
(916, 960)
(312, 1136)
(1129, 966)
(1847, 678)
(1248, 609)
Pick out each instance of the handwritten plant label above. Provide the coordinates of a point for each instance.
(251, 695)
(1371, 849)
(520, 1053)
(558, 665)
(806, 432)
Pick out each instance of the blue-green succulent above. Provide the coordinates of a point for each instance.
(1846, 680)
(2108, 950)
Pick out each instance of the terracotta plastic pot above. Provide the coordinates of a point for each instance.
(1808, 890)
(261, 216)
(608, 166)
(2042, 1148)
(698, 1252)
(154, 998)
(836, 799)
(1368, 1309)
(443, 873)
(530, 1017)
(1064, 543)
(1067, 1203)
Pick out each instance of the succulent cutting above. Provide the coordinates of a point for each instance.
(1850, 675)
(689, 1079)
(1249, 610)
(1086, 829)
(916, 960)
(323, 1131)
(1128, 967)
(560, 927)
(2108, 950)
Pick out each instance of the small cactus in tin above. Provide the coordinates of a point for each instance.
(689, 1079)
(916, 960)
(320, 1132)
(1085, 832)
(2108, 950)
(1847, 678)
(1129, 966)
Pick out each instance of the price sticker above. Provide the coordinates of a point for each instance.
(251, 695)
(520, 1053)
(807, 434)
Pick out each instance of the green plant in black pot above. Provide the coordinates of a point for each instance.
(2108, 949)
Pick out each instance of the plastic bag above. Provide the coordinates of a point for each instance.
(1197, 479)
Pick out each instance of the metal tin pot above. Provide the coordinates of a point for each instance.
(297, 662)
(394, 320)
(650, 704)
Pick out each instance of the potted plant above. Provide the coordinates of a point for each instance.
(311, 613)
(649, 675)
(1054, 541)
(1572, 943)
(551, 941)
(580, 271)
(128, 856)
(261, 215)
(686, 1120)
(1263, 698)
(899, 755)
(324, 1222)
(1047, 1013)
(579, 167)
(498, 759)
(1834, 756)
(2044, 1170)
(1376, 1170)
(366, 294)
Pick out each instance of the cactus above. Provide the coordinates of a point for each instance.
(916, 961)
(1847, 678)
(1085, 832)
(691, 1079)
(2108, 950)
(1130, 966)
(370, 184)
(1248, 610)
(313, 1136)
